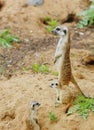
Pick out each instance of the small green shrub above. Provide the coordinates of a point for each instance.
(52, 116)
(6, 38)
(82, 105)
(51, 23)
(40, 68)
(87, 17)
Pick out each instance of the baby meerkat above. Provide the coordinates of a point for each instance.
(62, 61)
(55, 86)
(33, 119)
(68, 95)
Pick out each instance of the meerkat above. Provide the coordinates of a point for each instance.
(62, 61)
(33, 119)
(55, 86)
(68, 95)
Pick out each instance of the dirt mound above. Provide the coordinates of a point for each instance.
(19, 91)
(26, 20)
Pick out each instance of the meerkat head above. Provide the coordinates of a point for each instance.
(34, 105)
(61, 31)
(54, 85)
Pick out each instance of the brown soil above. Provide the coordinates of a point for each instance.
(19, 84)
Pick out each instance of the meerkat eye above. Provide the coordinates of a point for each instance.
(56, 84)
(33, 105)
(58, 29)
(52, 84)
(65, 31)
(37, 104)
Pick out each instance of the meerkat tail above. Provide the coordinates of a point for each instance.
(76, 85)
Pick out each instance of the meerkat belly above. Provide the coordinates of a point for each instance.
(65, 71)
(58, 64)
(58, 54)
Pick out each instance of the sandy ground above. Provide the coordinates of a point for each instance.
(26, 21)
(19, 87)
(20, 90)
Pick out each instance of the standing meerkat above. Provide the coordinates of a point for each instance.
(62, 61)
(33, 119)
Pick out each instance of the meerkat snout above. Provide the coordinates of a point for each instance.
(35, 105)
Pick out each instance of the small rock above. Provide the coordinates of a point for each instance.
(31, 31)
(35, 2)
(81, 33)
(26, 40)
(40, 88)
(36, 85)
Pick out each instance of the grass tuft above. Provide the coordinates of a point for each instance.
(87, 17)
(40, 68)
(6, 38)
(82, 105)
(50, 23)
(52, 116)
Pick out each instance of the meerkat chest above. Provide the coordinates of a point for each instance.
(59, 54)
(33, 115)
(60, 47)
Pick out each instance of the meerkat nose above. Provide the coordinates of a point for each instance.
(51, 85)
(52, 31)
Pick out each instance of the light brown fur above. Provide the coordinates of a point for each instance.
(32, 120)
(62, 57)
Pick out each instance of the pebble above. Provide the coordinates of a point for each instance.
(35, 2)
(26, 40)
(81, 33)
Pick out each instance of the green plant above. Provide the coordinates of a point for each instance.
(54, 73)
(51, 23)
(40, 68)
(46, 20)
(87, 17)
(25, 68)
(52, 116)
(6, 38)
(82, 105)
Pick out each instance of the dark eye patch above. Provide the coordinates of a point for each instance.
(38, 104)
(58, 29)
(65, 31)
(58, 99)
(56, 84)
